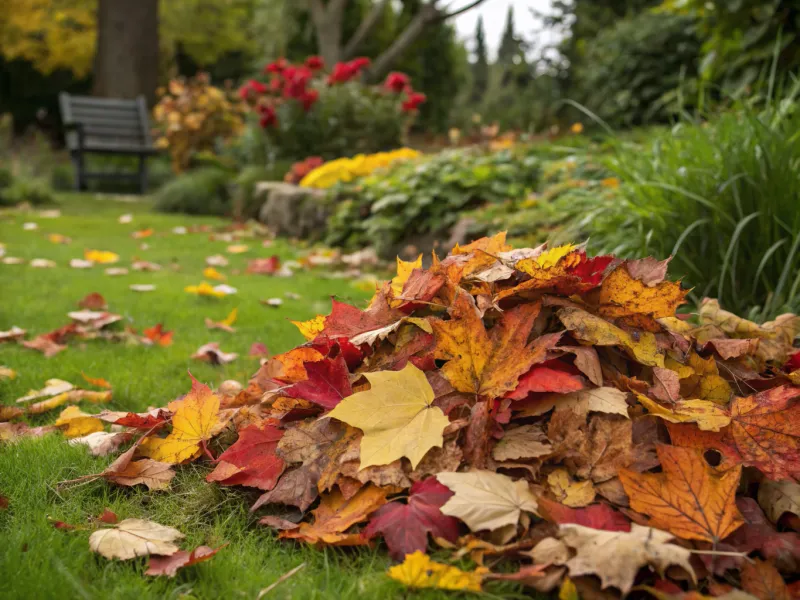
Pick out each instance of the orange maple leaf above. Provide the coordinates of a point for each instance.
(689, 499)
(335, 515)
(486, 363)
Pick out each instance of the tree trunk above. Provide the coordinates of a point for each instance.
(126, 59)
(327, 19)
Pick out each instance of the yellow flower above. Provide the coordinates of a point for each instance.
(212, 273)
(610, 182)
(576, 128)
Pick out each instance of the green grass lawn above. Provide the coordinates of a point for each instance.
(39, 561)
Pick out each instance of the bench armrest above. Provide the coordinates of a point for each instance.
(78, 128)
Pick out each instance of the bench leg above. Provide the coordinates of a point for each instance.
(80, 177)
(142, 175)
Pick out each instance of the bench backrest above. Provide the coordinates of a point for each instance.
(106, 121)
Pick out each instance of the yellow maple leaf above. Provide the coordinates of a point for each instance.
(204, 289)
(396, 416)
(231, 318)
(404, 270)
(550, 258)
(77, 423)
(621, 290)
(574, 494)
(491, 245)
(192, 425)
(103, 257)
(419, 571)
(596, 330)
(212, 273)
(311, 328)
(707, 415)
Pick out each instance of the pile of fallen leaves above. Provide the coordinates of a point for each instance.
(544, 413)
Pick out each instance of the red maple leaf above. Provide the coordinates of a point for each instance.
(596, 516)
(251, 461)
(405, 527)
(157, 335)
(328, 382)
(551, 376)
(346, 321)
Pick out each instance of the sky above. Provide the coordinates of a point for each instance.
(494, 19)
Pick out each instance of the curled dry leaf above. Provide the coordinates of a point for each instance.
(211, 353)
(169, 565)
(617, 556)
(103, 443)
(13, 334)
(53, 387)
(134, 537)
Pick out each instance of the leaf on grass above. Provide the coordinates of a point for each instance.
(419, 571)
(169, 565)
(134, 537)
(335, 515)
(216, 260)
(142, 287)
(192, 425)
(616, 556)
(213, 274)
(42, 263)
(486, 500)
(264, 266)
(211, 353)
(327, 384)
(251, 461)
(486, 363)
(96, 381)
(52, 387)
(707, 415)
(93, 301)
(13, 334)
(204, 289)
(103, 257)
(102, 443)
(143, 265)
(596, 330)
(405, 527)
(94, 319)
(688, 499)
(158, 335)
(76, 423)
(238, 248)
(396, 415)
(226, 324)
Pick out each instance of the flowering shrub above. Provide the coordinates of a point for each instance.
(302, 168)
(347, 169)
(305, 110)
(192, 116)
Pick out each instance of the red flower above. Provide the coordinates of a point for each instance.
(396, 82)
(412, 101)
(295, 81)
(275, 85)
(343, 72)
(244, 92)
(360, 63)
(257, 86)
(276, 67)
(268, 116)
(315, 63)
(308, 98)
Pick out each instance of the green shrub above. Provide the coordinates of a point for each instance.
(30, 190)
(427, 195)
(6, 178)
(723, 198)
(246, 204)
(203, 191)
(632, 72)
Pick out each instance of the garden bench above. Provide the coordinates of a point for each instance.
(106, 126)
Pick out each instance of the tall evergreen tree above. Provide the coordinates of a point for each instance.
(480, 67)
(509, 44)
